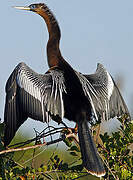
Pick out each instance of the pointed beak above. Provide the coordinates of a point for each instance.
(23, 8)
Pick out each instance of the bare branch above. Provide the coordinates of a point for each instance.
(31, 147)
(39, 136)
(40, 145)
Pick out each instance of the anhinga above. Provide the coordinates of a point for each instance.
(61, 92)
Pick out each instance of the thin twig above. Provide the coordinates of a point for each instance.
(81, 176)
(34, 156)
(106, 163)
(19, 164)
(46, 176)
(42, 134)
(31, 147)
(36, 146)
(70, 164)
(22, 149)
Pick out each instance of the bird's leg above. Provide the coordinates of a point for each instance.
(75, 130)
(71, 133)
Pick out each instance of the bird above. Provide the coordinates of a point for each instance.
(61, 92)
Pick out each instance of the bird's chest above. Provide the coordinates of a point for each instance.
(75, 100)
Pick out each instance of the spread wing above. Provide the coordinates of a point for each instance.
(104, 95)
(29, 94)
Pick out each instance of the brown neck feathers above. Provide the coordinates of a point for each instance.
(53, 51)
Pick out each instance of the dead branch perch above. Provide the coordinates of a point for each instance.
(38, 137)
(30, 147)
(72, 135)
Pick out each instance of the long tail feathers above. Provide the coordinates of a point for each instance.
(91, 159)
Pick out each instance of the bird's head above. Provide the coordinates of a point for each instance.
(43, 10)
(38, 8)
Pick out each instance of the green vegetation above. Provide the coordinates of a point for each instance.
(65, 163)
(118, 153)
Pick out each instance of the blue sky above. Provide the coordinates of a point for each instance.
(92, 31)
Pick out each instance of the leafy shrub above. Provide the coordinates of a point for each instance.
(115, 151)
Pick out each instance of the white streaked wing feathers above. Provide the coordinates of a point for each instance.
(37, 86)
(103, 94)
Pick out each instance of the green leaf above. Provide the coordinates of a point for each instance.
(68, 142)
(39, 169)
(74, 148)
(73, 153)
(63, 167)
(77, 167)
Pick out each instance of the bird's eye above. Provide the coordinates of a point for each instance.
(32, 6)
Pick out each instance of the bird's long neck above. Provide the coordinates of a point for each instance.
(53, 51)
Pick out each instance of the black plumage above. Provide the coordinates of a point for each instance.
(61, 92)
